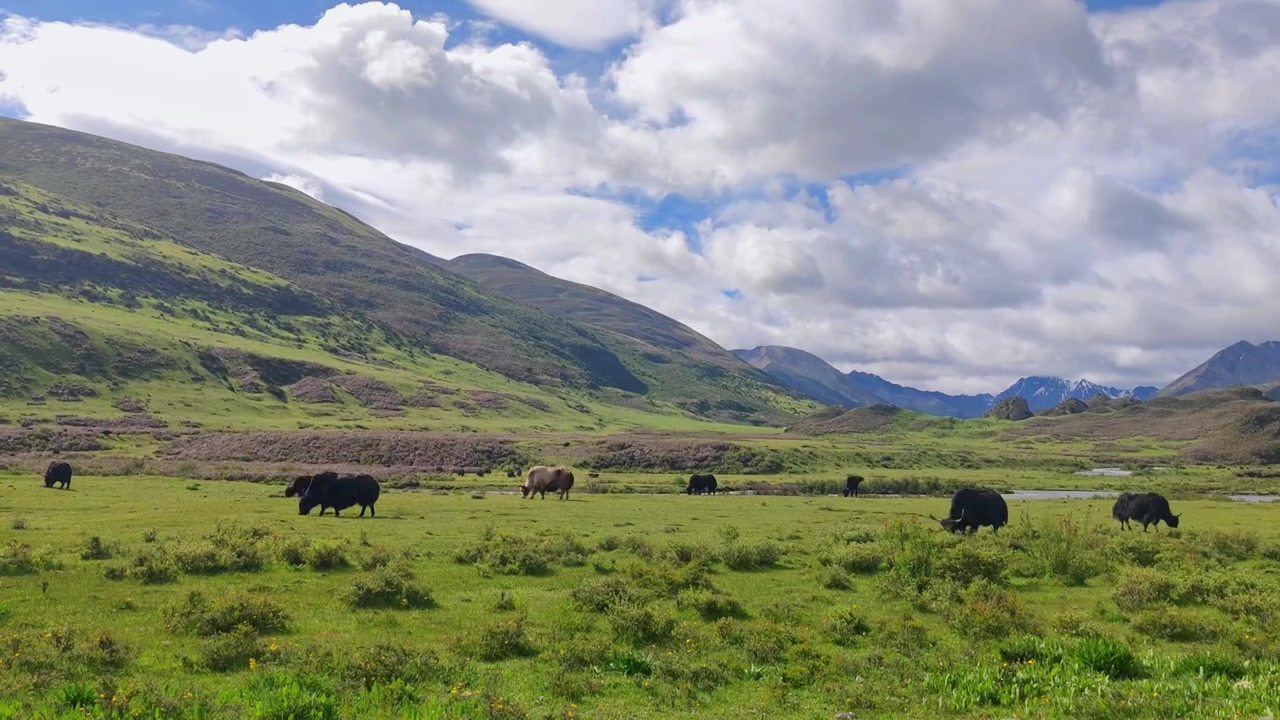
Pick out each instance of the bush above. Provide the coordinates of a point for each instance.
(836, 579)
(281, 696)
(388, 662)
(1074, 623)
(609, 543)
(235, 650)
(1109, 657)
(198, 616)
(21, 559)
(1228, 545)
(327, 555)
(744, 556)
(1209, 665)
(1140, 588)
(389, 587)
(688, 552)
(500, 640)
(1026, 648)
(153, 567)
(846, 626)
(862, 559)
(642, 624)
(1177, 625)
(95, 549)
(149, 536)
(1064, 549)
(602, 594)
(988, 611)
(711, 605)
(506, 555)
(966, 562)
(1139, 549)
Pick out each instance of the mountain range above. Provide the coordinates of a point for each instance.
(129, 272)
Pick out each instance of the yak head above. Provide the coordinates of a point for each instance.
(950, 524)
(524, 490)
(305, 503)
(298, 487)
(1172, 520)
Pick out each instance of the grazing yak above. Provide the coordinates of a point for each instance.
(541, 478)
(58, 472)
(971, 508)
(331, 490)
(851, 484)
(1147, 508)
(699, 484)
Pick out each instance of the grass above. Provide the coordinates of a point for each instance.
(138, 595)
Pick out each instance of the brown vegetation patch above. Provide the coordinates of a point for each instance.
(71, 392)
(1252, 439)
(258, 373)
(488, 400)
(131, 406)
(138, 421)
(411, 449)
(370, 392)
(659, 455)
(313, 390)
(46, 441)
(837, 420)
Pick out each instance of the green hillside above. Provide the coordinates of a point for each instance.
(361, 288)
(667, 355)
(107, 322)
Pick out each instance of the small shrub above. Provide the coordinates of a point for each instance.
(1177, 625)
(861, 559)
(1023, 648)
(639, 547)
(115, 572)
(709, 604)
(377, 558)
(966, 562)
(105, 652)
(745, 556)
(1139, 549)
(504, 603)
(280, 696)
(149, 536)
(1139, 588)
(846, 626)
(836, 579)
(1107, 656)
(989, 611)
(389, 587)
(231, 651)
(95, 549)
(1228, 545)
(1210, 665)
(21, 559)
(18, 523)
(602, 594)
(198, 616)
(1271, 551)
(387, 662)
(688, 552)
(642, 624)
(1074, 623)
(609, 543)
(1063, 548)
(327, 555)
(153, 567)
(500, 640)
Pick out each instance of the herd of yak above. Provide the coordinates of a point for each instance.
(971, 508)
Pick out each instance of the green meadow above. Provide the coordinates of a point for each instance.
(159, 597)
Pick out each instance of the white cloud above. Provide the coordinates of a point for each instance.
(588, 24)
(1079, 198)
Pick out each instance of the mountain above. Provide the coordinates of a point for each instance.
(1044, 393)
(664, 353)
(809, 374)
(1241, 364)
(925, 401)
(1143, 393)
(151, 231)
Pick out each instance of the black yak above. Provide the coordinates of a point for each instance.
(851, 484)
(971, 508)
(699, 484)
(1147, 508)
(58, 472)
(330, 490)
(542, 478)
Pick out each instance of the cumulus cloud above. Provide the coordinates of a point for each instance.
(1075, 195)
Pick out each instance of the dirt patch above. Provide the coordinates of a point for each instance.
(409, 449)
(313, 390)
(488, 400)
(71, 392)
(131, 406)
(49, 441)
(370, 392)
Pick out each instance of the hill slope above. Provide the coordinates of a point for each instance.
(105, 323)
(807, 373)
(346, 264)
(1241, 364)
(688, 367)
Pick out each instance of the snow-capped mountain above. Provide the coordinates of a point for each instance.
(1042, 393)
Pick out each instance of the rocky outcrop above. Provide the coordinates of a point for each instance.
(1011, 408)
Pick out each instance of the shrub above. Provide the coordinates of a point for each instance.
(641, 623)
(1023, 648)
(18, 523)
(602, 594)
(389, 587)
(504, 603)
(1139, 588)
(327, 555)
(506, 555)
(609, 543)
(387, 662)
(1107, 656)
(104, 652)
(1177, 625)
(1210, 665)
(1074, 623)
(846, 626)
(745, 556)
(862, 559)
(966, 562)
(234, 650)
(639, 547)
(836, 579)
(500, 640)
(709, 604)
(1228, 545)
(21, 559)
(198, 616)
(153, 567)
(149, 536)
(1064, 549)
(688, 552)
(281, 696)
(1140, 549)
(95, 549)
(986, 610)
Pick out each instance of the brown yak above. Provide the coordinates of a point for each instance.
(541, 478)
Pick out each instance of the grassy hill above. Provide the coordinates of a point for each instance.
(320, 266)
(1240, 364)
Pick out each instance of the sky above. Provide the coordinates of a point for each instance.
(949, 193)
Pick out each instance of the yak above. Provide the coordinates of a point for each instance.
(58, 472)
(851, 484)
(1147, 508)
(331, 490)
(542, 478)
(699, 484)
(971, 508)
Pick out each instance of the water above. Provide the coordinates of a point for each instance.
(1254, 498)
(1058, 494)
(1105, 472)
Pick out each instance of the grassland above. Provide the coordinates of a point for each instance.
(159, 597)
